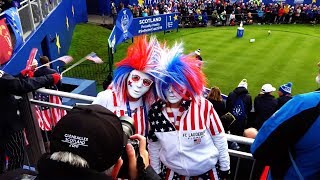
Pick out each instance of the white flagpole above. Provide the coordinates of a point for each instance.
(47, 64)
(77, 63)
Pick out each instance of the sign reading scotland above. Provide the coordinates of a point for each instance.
(127, 27)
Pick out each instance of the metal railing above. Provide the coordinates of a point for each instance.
(33, 12)
(240, 155)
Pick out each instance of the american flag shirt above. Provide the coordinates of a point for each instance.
(191, 147)
(111, 101)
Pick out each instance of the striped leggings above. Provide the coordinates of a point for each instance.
(14, 149)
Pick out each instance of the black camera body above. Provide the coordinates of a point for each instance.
(128, 130)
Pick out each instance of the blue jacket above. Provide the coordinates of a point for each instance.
(296, 127)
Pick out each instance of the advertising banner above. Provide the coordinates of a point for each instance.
(127, 27)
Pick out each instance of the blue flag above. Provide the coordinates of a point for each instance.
(13, 19)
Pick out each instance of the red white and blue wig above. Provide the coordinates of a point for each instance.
(142, 55)
(179, 70)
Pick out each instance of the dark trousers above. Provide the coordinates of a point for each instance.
(14, 149)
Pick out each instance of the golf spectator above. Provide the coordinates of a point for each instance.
(186, 134)
(265, 104)
(238, 96)
(47, 116)
(284, 93)
(289, 141)
(216, 100)
(11, 124)
(132, 90)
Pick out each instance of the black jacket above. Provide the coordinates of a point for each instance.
(232, 97)
(264, 105)
(282, 100)
(52, 170)
(219, 106)
(9, 86)
(45, 71)
(239, 127)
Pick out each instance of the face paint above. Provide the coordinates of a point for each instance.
(172, 95)
(138, 83)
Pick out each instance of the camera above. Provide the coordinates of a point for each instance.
(128, 130)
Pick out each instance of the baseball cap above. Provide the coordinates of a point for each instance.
(91, 132)
(266, 88)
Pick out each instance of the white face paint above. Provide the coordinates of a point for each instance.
(172, 95)
(138, 83)
(318, 79)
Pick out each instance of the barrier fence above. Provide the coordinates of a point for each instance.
(36, 145)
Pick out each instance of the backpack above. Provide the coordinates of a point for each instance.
(238, 109)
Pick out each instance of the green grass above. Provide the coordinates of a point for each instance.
(289, 54)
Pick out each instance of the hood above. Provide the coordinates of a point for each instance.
(240, 90)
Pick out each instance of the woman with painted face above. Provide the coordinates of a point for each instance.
(132, 92)
(186, 137)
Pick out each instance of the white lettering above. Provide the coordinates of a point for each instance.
(75, 141)
(150, 20)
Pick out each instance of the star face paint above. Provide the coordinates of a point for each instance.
(138, 83)
(172, 95)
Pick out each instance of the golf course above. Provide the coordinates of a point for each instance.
(289, 53)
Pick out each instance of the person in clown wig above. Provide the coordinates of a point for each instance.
(186, 137)
(132, 90)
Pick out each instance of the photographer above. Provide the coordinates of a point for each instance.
(88, 143)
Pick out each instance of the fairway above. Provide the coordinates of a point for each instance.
(290, 53)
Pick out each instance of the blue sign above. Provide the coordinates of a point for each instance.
(120, 31)
(127, 27)
(150, 24)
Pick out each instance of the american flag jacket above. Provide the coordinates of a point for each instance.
(111, 101)
(190, 146)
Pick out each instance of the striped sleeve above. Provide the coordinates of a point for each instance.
(219, 139)
(213, 122)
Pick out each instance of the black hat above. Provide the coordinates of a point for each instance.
(91, 132)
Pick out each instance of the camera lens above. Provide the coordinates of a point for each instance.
(128, 128)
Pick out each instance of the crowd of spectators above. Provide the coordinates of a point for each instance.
(217, 13)
(6, 4)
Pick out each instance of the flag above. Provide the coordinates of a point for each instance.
(65, 59)
(48, 117)
(93, 57)
(5, 42)
(197, 141)
(32, 55)
(13, 19)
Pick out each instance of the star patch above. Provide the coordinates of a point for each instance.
(130, 83)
